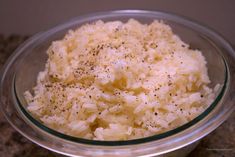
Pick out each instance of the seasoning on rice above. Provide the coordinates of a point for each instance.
(120, 81)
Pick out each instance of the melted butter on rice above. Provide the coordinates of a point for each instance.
(119, 81)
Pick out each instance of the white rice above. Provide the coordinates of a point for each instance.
(119, 81)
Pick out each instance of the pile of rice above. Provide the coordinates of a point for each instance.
(120, 81)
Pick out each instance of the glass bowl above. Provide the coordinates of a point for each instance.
(20, 72)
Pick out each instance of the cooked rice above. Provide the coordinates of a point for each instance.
(120, 81)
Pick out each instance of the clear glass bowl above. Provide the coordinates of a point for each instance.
(20, 72)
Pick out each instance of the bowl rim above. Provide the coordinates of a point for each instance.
(148, 139)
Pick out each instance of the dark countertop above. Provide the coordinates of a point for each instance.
(220, 143)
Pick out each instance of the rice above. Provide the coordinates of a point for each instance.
(120, 81)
